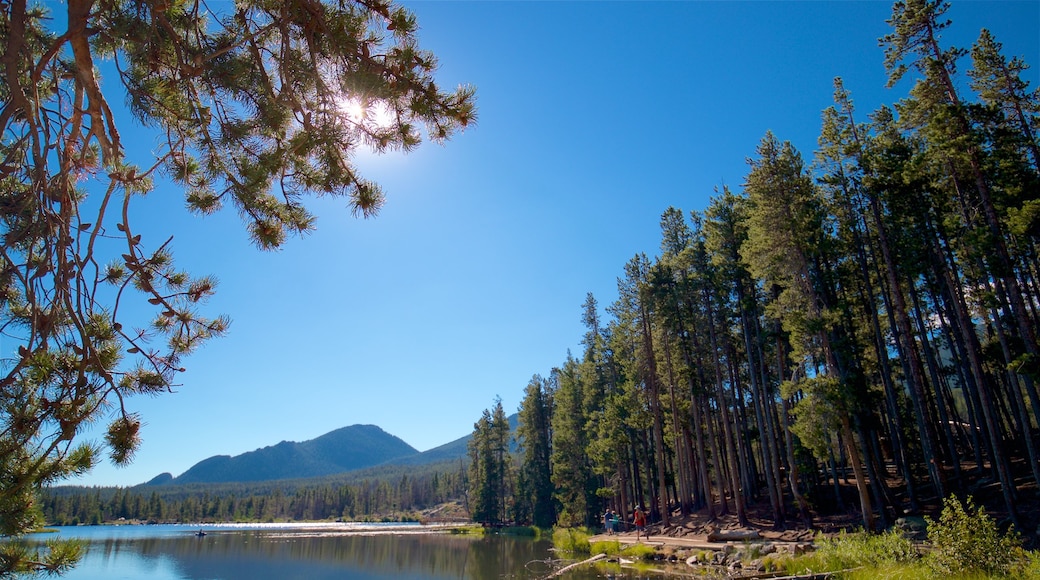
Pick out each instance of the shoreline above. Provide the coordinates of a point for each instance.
(324, 527)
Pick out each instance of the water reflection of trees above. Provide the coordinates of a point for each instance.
(493, 555)
(257, 554)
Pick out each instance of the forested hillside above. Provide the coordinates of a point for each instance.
(386, 492)
(408, 486)
(855, 332)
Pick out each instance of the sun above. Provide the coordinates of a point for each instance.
(376, 126)
(369, 113)
(353, 109)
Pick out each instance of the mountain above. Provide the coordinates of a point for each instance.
(161, 479)
(454, 449)
(342, 450)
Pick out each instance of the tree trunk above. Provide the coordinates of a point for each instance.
(933, 372)
(987, 405)
(857, 469)
(682, 475)
(658, 418)
(767, 441)
(727, 426)
(702, 454)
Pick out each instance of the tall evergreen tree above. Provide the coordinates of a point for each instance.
(999, 83)
(490, 473)
(571, 465)
(788, 247)
(850, 177)
(534, 441)
(636, 291)
(725, 233)
(963, 170)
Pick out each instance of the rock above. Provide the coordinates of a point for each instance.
(913, 527)
(756, 565)
(912, 524)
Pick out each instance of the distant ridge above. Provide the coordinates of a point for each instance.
(161, 479)
(344, 450)
(453, 450)
(339, 451)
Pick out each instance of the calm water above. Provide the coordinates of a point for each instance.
(340, 551)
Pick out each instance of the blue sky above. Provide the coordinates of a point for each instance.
(594, 117)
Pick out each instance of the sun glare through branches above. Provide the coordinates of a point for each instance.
(368, 113)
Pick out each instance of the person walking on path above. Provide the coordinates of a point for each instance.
(639, 520)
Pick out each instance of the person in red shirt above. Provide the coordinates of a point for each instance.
(639, 520)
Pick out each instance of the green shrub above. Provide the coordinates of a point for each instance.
(639, 552)
(522, 531)
(1027, 567)
(750, 551)
(608, 547)
(773, 562)
(906, 571)
(890, 547)
(965, 540)
(845, 551)
(574, 540)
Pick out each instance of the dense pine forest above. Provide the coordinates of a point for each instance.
(382, 493)
(852, 333)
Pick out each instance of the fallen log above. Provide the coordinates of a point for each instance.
(733, 535)
(561, 571)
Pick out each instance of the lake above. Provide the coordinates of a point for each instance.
(315, 552)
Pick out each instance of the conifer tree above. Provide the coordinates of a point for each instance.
(850, 176)
(249, 103)
(999, 83)
(637, 295)
(963, 169)
(490, 473)
(534, 441)
(787, 247)
(571, 466)
(725, 232)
